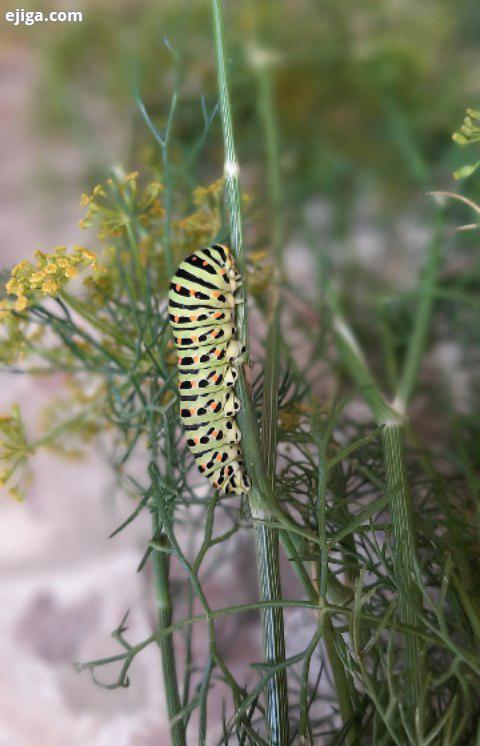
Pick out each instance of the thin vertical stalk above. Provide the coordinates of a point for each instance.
(405, 564)
(161, 566)
(274, 183)
(161, 569)
(231, 166)
(163, 141)
(325, 626)
(405, 561)
(266, 536)
(271, 379)
(423, 315)
(161, 560)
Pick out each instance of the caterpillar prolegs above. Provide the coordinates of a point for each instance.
(202, 310)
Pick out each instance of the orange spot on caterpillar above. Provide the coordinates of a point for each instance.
(194, 259)
(196, 359)
(192, 412)
(175, 318)
(213, 405)
(215, 294)
(192, 293)
(219, 457)
(217, 353)
(193, 318)
(178, 288)
(196, 441)
(205, 264)
(217, 315)
(215, 378)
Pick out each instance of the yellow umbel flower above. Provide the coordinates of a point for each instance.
(49, 275)
(113, 207)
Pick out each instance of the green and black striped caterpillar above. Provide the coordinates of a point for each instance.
(201, 306)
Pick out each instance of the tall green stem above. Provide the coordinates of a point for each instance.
(326, 629)
(391, 418)
(161, 565)
(266, 537)
(404, 545)
(405, 565)
(416, 347)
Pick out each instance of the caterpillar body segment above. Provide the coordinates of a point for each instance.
(182, 318)
(231, 474)
(210, 461)
(201, 310)
(206, 356)
(221, 432)
(207, 379)
(194, 338)
(196, 410)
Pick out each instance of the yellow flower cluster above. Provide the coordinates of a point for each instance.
(48, 275)
(14, 453)
(111, 207)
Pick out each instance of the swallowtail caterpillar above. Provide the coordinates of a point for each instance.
(201, 306)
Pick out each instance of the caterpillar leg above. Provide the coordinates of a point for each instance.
(234, 350)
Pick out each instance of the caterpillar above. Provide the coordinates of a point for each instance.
(201, 308)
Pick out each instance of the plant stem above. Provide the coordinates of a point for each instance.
(273, 631)
(231, 166)
(325, 626)
(266, 537)
(161, 565)
(405, 564)
(423, 315)
(274, 183)
(161, 568)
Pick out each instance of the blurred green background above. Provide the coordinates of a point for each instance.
(368, 93)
